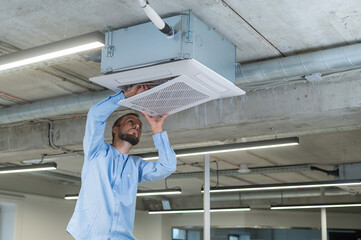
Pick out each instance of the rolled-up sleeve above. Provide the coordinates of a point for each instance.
(166, 164)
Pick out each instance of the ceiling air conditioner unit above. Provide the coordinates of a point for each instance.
(195, 66)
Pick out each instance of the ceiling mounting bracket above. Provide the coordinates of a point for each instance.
(109, 45)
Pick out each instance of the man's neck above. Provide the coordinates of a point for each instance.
(122, 146)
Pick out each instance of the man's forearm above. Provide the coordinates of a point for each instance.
(95, 125)
(102, 110)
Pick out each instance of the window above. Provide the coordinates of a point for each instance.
(180, 234)
(7, 220)
(233, 237)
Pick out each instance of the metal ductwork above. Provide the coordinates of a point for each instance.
(324, 61)
(52, 107)
(240, 196)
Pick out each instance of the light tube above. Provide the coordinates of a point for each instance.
(176, 211)
(159, 192)
(28, 168)
(287, 186)
(229, 148)
(52, 50)
(330, 205)
(200, 210)
(140, 193)
(71, 197)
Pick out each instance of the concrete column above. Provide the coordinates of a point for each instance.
(206, 200)
(323, 224)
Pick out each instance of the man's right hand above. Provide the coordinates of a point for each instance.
(136, 89)
(155, 123)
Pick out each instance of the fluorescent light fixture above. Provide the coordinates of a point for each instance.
(268, 187)
(309, 206)
(173, 191)
(284, 142)
(140, 193)
(52, 50)
(71, 197)
(28, 168)
(215, 210)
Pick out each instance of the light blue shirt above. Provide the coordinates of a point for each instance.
(106, 205)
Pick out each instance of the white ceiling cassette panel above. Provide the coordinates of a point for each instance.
(176, 86)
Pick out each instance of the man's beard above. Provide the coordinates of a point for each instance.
(130, 138)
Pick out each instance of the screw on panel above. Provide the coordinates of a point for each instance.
(187, 56)
(188, 36)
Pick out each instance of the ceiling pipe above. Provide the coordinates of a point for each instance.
(52, 107)
(324, 61)
(235, 172)
(156, 19)
(276, 194)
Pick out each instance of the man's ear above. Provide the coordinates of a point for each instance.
(114, 129)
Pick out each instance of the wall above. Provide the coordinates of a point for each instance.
(257, 218)
(147, 227)
(38, 217)
(44, 218)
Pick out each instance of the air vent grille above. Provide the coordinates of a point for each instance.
(172, 97)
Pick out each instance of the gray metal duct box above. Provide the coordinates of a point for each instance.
(350, 171)
(195, 66)
(144, 45)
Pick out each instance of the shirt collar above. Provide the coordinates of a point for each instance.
(118, 154)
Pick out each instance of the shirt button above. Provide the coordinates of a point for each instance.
(128, 175)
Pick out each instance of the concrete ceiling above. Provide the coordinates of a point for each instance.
(325, 116)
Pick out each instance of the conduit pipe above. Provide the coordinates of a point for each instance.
(324, 61)
(51, 139)
(52, 107)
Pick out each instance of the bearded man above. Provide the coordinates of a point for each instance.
(106, 204)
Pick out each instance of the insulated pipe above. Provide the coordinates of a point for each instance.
(52, 107)
(335, 59)
(156, 19)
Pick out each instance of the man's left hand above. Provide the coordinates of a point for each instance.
(136, 89)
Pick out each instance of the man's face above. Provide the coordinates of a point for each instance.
(129, 129)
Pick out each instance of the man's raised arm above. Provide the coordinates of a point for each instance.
(167, 162)
(95, 124)
(96, 119)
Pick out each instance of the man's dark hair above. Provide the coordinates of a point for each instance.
(117, 122)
